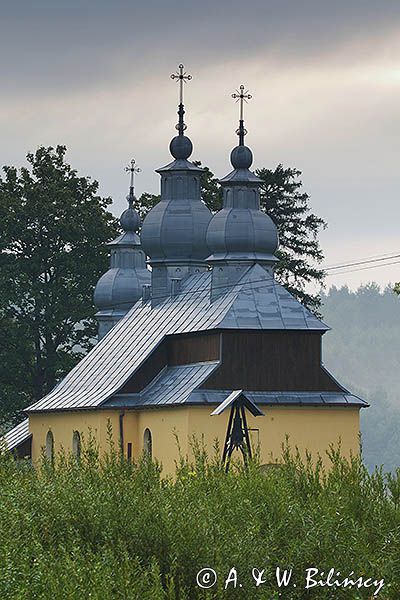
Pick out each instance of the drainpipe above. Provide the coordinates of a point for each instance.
(121, 433)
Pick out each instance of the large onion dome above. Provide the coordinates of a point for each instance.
(241, 231)
(175, 228)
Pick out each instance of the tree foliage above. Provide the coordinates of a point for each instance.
(299, 250)
(52, 252)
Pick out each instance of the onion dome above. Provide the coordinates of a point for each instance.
(174, 231)
(122, 285)
(241, 232)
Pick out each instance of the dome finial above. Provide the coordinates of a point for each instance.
(241, 96)
(181, 147)
(130, 219)
(181, 76)
(132, 169)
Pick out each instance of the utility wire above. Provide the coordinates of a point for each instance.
(362, 262)
(388, 254)
(267, 284)
(364, 268)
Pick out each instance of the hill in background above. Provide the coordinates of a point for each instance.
(363, 352)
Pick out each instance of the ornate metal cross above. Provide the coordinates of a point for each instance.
(181, 76)
(241, 96)
(132, 168)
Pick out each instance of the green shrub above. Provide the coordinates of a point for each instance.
(108, 529)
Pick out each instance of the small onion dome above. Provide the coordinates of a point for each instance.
(118, 289)
(121, 286)
(129, 219)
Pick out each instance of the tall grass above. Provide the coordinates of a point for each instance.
(109, 529)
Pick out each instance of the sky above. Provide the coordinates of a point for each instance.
(324, 76)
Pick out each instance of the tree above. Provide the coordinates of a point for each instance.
(145, 203)
(52, 252)
(283, 199)
(211, 191)
(299, 249)
(15, 387)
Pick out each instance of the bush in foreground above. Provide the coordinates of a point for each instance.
(109, 529)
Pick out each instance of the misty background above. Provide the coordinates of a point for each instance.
(325, 80)
(363, 351)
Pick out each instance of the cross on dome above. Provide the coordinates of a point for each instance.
(132, 169)
(241, 96)
(182, 77)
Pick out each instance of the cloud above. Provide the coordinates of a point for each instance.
(60, 47)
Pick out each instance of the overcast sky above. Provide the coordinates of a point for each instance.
(325, 80)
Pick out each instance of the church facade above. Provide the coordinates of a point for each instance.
(208, 325)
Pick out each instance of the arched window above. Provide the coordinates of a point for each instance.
(76, 444)
(50, 446)
(147, 443)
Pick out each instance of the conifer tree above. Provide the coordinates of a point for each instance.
(299, 250)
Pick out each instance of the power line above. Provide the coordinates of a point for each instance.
(388, 254)
(267, 284)
(378, 258)
(363, 262)
(363, 268)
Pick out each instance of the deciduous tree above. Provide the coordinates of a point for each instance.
(52, 252)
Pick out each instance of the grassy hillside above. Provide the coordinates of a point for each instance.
(110, 530)
(363, 351)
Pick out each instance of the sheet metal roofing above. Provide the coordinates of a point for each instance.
(245, 402)
(17, 435)
(280, 398)
(257, 301)
(172, 386)
(179, 385)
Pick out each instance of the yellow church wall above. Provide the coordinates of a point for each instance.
(308, 428)
(312, 429)
(163, 424)
(166, 425)
(63, 424)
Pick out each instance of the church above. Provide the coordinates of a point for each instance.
(197, 338)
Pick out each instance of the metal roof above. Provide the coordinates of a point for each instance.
(247, 403)
(187, 392)
(268, 306)
(17, 435)
(281, 398)
(180, 385)
(172, 386)
(257, 301)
